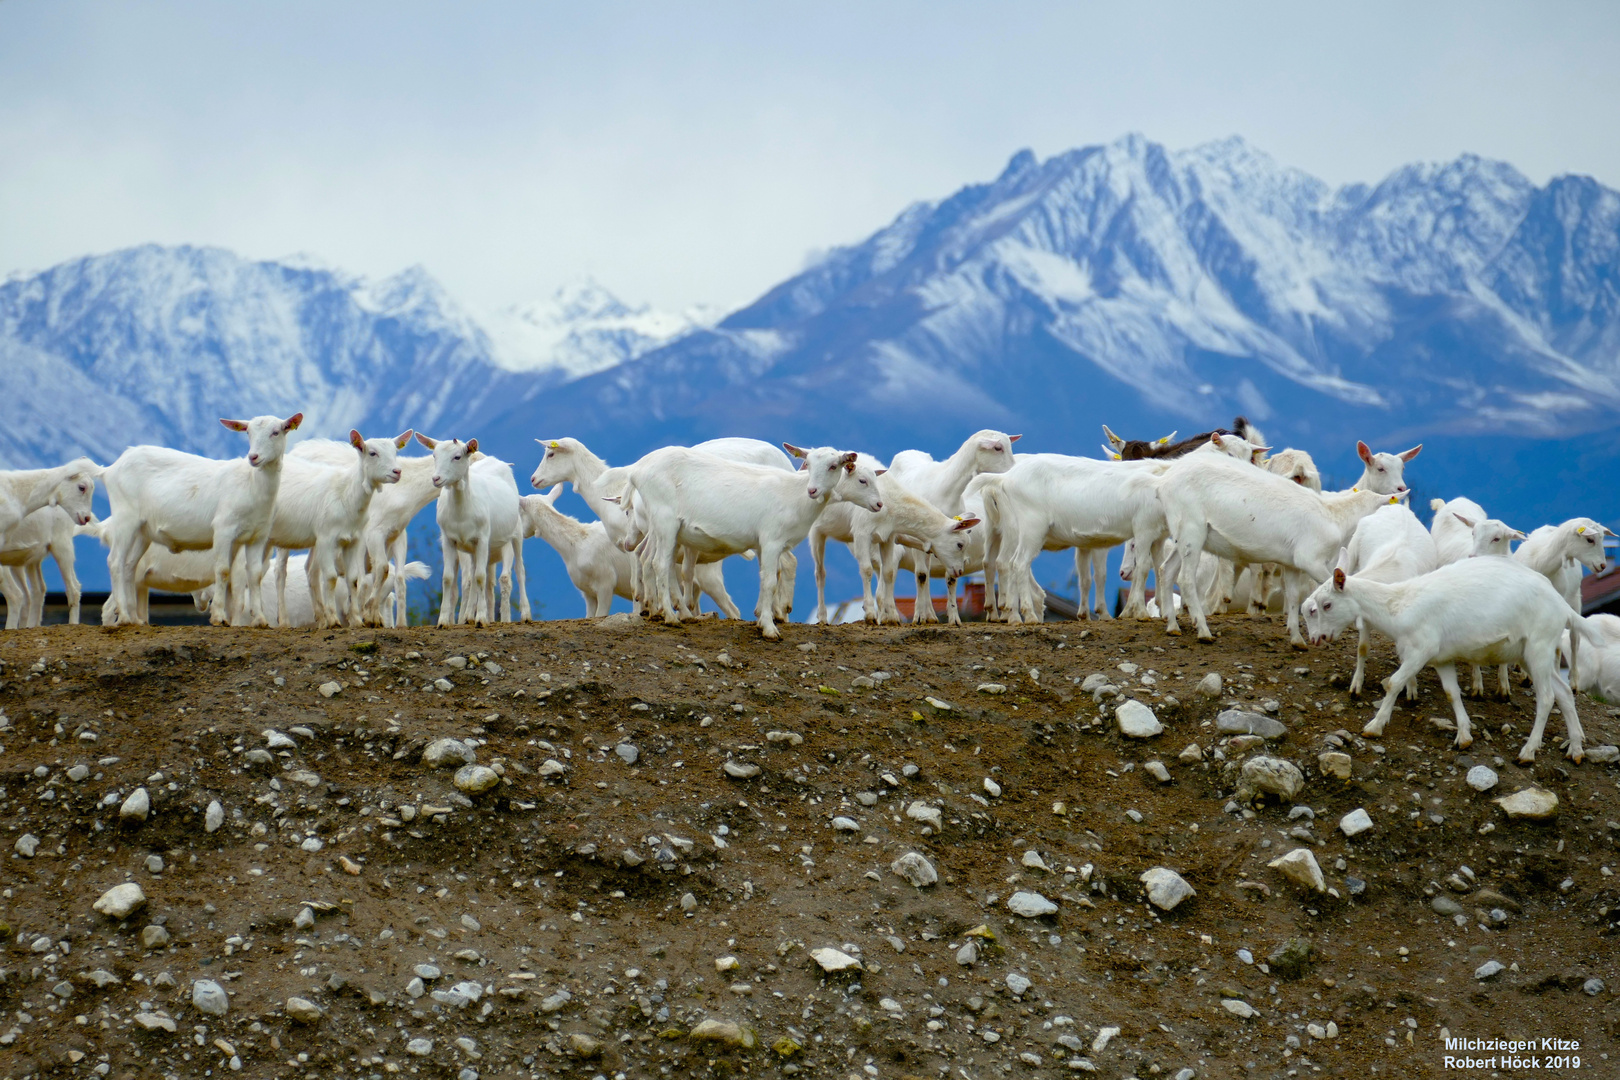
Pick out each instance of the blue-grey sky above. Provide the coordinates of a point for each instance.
(700, 152)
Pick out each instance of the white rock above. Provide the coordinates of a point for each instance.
(792, 738)
(1489, 968)
(942, 706)
(1300, 867)
(120, 901)
(549, 768)
(1210, 685)
(1017, 983)
(1605, 754)
(312, 844)
(207, 996)
(992, 688)
(27, 844)
(137, 806)
(930, 815)
(1193, 753)
(443, 684)
(1104, 1037)
(1481, 778)
(915, 869)
(213, 817)
(275, 740)
(832, 960)
(1033, 860)
(154, 937)
(1239, 1007)
(1269, 776)
(155, 1021)
(846, 824)
(475, 779)
(1535, 804)
(1335, 764)
(1157, 770)
(1031, 905)
(329, 689)
(739, 770)
(968, 954)
(447, 753)
(1137, 720)
(1355, 822)
(302, 1009)
(304, 919)
(1166, 888)
(992, 788)
(419, 1047)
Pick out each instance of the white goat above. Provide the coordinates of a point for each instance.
(718, 507)
(186, 502)
(1295, 465)
(478, 513)
(570, 461)
(1389, 545)
(1486, 610)
(1600, 674)
(1460, 529)
(323, 508)
(1558, 552)
(23, 491)
(1252, 516)
(1383, 473)
(906, 519)
(943, 484)
(47, 531)
(1051, 502)
(300, 609)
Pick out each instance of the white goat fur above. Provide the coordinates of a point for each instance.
(1252, 516)
(1485, 610)
(188, 503)
(718, 507)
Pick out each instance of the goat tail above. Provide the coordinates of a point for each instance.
(1584, 628)
(416, 571)
(1436, 504)
(96, 528)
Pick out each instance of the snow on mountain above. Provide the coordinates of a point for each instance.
(154, 344)
(1130, 281)
(581, 330)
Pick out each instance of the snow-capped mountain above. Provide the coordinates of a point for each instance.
(154, 344)
(1179, 288)
(581, 330)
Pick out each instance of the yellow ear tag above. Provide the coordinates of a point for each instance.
(1580, 529)
(1393, 500)
(555, 445)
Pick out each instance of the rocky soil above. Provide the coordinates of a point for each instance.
(619, 850)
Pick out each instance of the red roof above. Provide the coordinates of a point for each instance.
(1600, 590)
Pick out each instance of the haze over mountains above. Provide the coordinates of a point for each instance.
(1458, 304)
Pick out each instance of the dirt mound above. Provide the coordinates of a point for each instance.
(658, 852)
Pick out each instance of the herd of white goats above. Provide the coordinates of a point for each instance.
(1234, 526)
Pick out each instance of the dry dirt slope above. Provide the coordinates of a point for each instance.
(585, 907)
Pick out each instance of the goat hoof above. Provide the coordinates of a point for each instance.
(1463, 741)
(1576, 754)
(1206, 639)
(1173, 631)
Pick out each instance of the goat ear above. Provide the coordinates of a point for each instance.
(1113, 440)
(1338, 578)
(1363, 451)
(1015, 438)
(1215, 439)
(292, 422)
(425, 441)
(1166, 440)
(553, 495)
(1412, 453)
(965, 523)
(879, 472)
(1519, 534)
(849, 458)
(1116, 457)
(1464, 520)
(234, 425)
(472, 446)
(402, 440)
(796, 451)
(355, 440)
